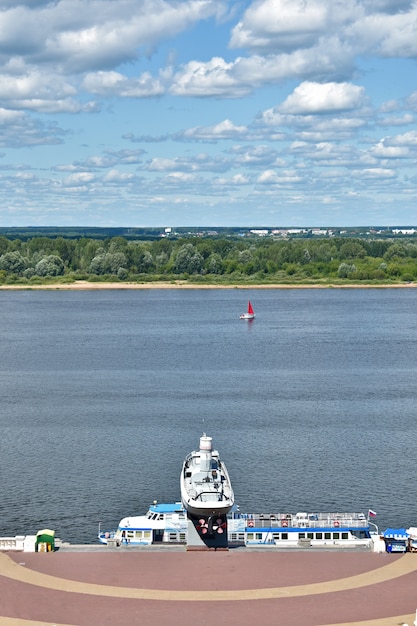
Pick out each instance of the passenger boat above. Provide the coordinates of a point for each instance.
(205, 484)
(167, 523)
(287, 530)
(163, 523)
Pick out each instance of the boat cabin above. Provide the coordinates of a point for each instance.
(163, 523)
(301, 529)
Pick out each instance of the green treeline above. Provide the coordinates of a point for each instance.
(212, 260)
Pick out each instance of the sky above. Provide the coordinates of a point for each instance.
(174, 113)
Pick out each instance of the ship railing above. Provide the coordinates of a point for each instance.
(206, 496)
(279, 520)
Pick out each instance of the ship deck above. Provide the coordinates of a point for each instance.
(105, 587)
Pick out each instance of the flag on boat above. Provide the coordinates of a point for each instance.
(371, 513)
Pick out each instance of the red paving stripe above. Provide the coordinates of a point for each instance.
(199, 571)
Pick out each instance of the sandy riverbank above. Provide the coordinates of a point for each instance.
(85, 285)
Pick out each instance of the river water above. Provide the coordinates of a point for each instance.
(312, 406)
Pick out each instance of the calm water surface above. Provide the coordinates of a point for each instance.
(312, 406)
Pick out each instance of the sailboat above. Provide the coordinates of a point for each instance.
(250, 315)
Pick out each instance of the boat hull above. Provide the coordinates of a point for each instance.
(208, 509)
(205, 484)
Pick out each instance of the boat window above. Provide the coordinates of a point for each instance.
(250, 536)
(327, 535)
(310, 535)
(259, 536)
(301, 535)
(361, 534)
(336, 535)
(284, 535)
(319, 535)
(345, 535)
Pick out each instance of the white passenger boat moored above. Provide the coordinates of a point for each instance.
(167, 523)
(287, 530)
(163, 523)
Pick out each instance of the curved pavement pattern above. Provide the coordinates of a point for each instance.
(232, 588)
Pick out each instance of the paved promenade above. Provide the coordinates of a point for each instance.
(121, 588)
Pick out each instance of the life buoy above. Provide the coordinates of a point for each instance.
(336, 524)
(284, 523)
(251, 523)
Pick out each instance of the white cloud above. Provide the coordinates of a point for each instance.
(387, 34)
(397, 120)
(18, 130)
(80, 178)
(236, 180)
(387, 27)
(384, 151)
(240, 77)
(270, 177)
(312, 97)
(37, 91)
(323, 126)
(116, 84)
(7, 117)
(254, 156)
(281, 23)
(180, 177)
(198, 162)
(116, 176)
(406, 139)
(82, 35)
(376, 172)
(318, 40)
(223, 130)
(214, 78)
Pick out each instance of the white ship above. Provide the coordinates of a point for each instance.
(205, 485)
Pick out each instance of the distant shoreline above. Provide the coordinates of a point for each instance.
(83, 285)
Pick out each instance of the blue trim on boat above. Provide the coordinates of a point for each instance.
(176, 507)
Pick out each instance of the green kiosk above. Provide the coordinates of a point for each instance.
(45, 540)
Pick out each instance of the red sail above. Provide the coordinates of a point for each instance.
(250, 309)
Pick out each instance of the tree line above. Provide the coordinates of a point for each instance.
(216, 260)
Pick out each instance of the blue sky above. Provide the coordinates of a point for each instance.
(208, 113)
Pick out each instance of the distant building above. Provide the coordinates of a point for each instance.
(404, 231)
(259, 232)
